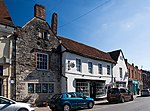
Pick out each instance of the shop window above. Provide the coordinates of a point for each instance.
(100, 89)
(31, 88)
(83, 87)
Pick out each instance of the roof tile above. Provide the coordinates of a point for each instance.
(4, 15)
(85, 50)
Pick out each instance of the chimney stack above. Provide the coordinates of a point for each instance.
(39, 11)
(54, 23)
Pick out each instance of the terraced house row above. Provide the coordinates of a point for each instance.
(36, 63)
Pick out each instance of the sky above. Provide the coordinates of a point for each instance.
(107, 25)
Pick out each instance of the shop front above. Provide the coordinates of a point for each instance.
(93, 88)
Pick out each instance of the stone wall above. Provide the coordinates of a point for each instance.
(29, 42)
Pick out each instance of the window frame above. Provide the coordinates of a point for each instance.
(78, 65)
(108, 69)
(90, 69)
(39, 63)
(29, 91)
(100, 69)
(39, 87)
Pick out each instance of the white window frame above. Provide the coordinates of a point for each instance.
(100, 69)
(42, 61)
(108, 69)
(78, 65)
(90, 69)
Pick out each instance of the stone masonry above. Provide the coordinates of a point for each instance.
(36, 37)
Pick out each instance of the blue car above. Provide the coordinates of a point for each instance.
(70, 100)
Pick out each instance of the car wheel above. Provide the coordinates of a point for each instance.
(109, 102)
(122, 100)
(132, 98)
(66, 107)
(23, 109)
(90, 105)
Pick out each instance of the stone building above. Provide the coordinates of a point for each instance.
(6, 29)
(36, 59)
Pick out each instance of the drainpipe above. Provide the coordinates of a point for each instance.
(61, 53)
(14, 65)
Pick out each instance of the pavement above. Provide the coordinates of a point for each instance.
(96, 103)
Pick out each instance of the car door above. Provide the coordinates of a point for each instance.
(5, 105)
(82, 100)
(72, 99)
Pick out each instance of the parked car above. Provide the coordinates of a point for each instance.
(71, 100)
(145, 92)
(7, 104)
(119, 95)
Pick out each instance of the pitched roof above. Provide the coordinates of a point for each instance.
(84, 50)
(115, 54)
(4, 15)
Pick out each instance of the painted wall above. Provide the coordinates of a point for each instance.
(5, 58)
(120, 64)
(73, 74)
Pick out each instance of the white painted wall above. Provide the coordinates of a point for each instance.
(73, 74)
(120, 63)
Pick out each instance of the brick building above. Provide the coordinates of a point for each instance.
(135, 81)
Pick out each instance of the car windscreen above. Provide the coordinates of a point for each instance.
(113, 91)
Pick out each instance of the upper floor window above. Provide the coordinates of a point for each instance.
(42, 61)
(100, 68)
(120, 69)
(90, 67)
(44, 35)
(108, 69)
(78, 65)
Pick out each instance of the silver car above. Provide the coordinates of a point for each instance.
(7, 104)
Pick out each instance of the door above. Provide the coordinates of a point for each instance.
(93, 90)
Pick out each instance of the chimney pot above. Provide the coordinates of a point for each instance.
(39, 11)
(54, 23)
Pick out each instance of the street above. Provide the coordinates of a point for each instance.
(139, 104)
